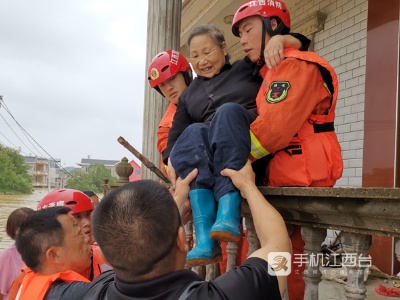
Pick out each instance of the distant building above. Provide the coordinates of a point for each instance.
(137, 170)
(109, 164)
(45, 172)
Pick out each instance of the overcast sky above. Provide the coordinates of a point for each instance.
(72, 73)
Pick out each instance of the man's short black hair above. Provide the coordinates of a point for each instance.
(136, 226)
(40, 231)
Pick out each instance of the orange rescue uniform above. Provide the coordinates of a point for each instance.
(163, 130)
(296, 107)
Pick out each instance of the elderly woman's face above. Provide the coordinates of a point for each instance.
(206, 57)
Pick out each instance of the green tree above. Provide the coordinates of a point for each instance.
(14, 177)
(93, 180)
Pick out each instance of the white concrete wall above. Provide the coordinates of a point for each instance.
(342, 42)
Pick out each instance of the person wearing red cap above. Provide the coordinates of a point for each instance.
(296, 104)
(80, 204)
(169, 73)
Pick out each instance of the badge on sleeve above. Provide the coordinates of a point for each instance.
(278, 90)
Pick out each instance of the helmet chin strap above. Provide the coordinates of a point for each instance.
(261, 61)
(267, 28)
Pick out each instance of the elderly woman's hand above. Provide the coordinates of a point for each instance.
(273, 52)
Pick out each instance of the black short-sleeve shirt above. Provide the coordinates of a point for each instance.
(248, 281)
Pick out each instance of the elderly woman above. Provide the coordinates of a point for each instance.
(10, 260)
(203, 136)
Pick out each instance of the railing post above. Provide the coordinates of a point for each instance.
(231, 251)
(355, 247)
(251, 235)
(189, 234)
(212, 271)
(200, 270)
(313, 238)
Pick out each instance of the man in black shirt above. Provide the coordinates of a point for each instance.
(139, 228)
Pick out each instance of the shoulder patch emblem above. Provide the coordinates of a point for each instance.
(278, 90)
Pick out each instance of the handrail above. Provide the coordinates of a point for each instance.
(355, 210)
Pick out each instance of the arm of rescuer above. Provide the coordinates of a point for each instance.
(273, 52)
(299, 87)
(180, 195)
(269, 224)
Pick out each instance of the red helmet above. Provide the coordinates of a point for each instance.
(262, 8)
(165, 65)
(74, 199)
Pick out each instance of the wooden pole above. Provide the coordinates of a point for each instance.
(144, 160)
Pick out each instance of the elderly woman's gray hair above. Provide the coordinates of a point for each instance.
(213, 32)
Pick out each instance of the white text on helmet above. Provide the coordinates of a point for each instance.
(174, 57)
(53, 204)
(271, 3)
(276, 4)
(257, 3)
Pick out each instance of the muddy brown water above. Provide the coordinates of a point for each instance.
(8, 203)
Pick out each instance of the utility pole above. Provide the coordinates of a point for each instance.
(1, 100)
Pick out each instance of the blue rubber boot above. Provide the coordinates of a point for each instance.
(206, 250)
(226, 227)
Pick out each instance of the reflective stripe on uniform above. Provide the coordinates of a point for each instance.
(257, 151)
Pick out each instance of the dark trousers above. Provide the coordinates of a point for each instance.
(224, 143)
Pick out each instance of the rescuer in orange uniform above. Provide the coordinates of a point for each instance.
(296, 106)
(170, 74)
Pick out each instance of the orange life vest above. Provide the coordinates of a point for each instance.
(296, 109)
(35, 286)
(98, 266)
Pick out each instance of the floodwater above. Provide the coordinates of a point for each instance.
(8, 203)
